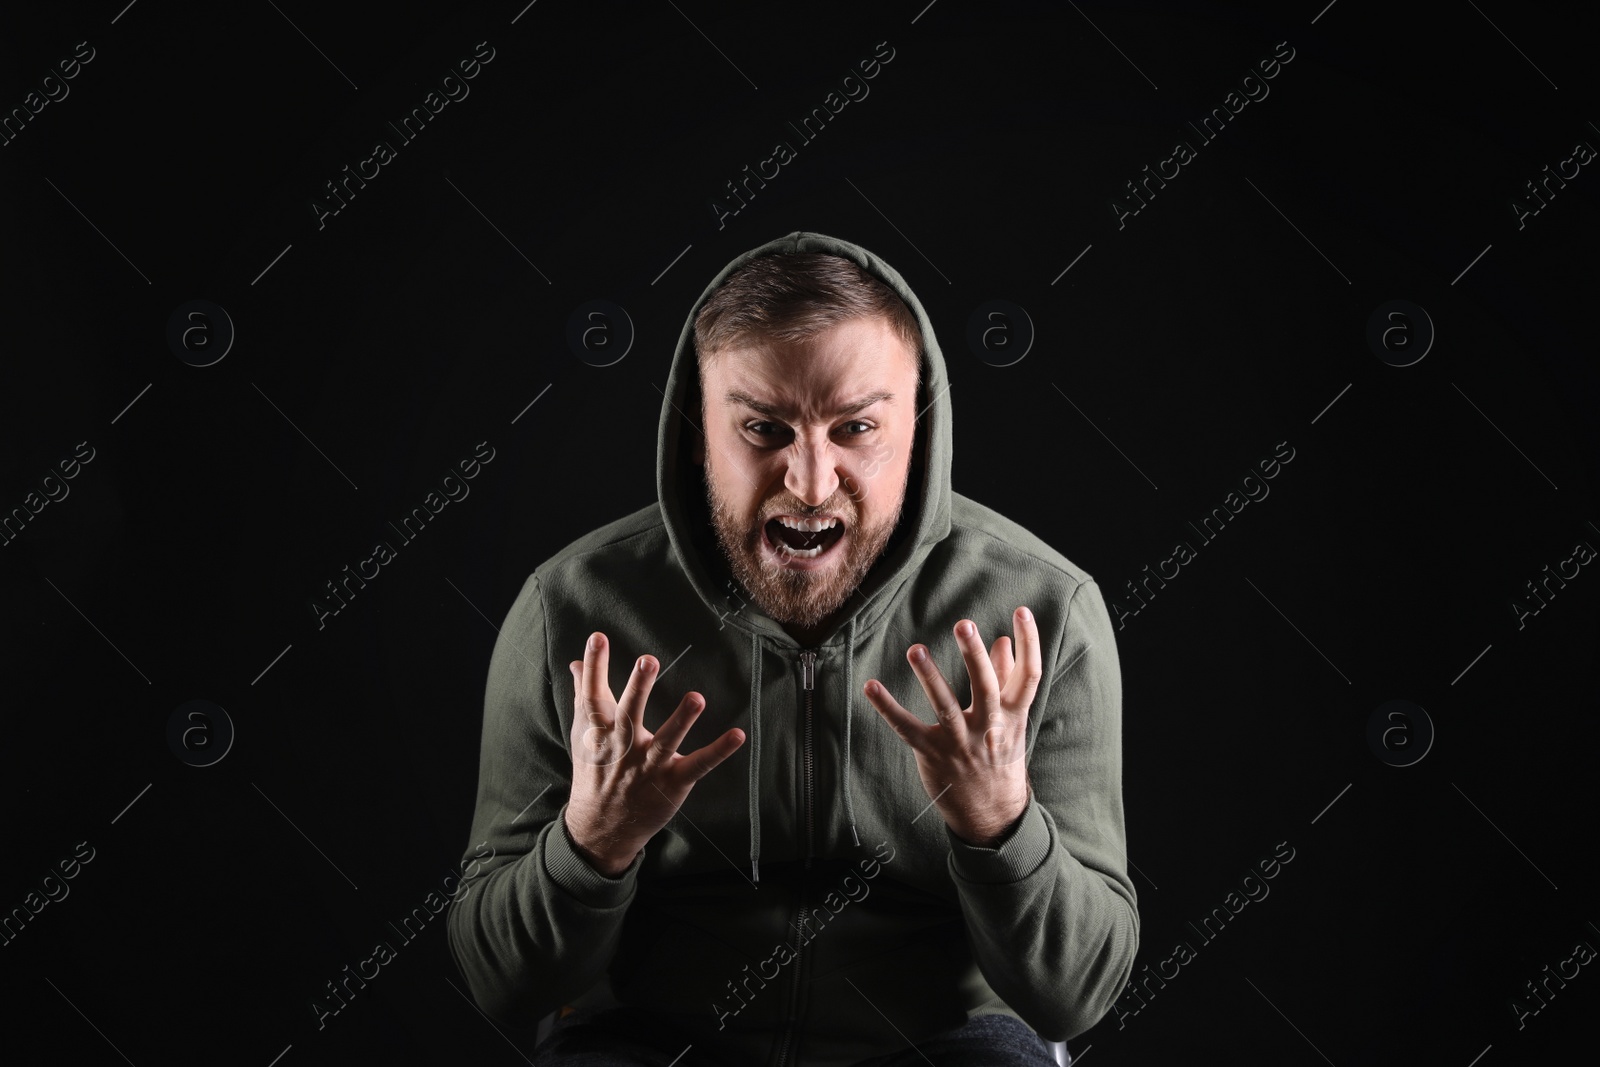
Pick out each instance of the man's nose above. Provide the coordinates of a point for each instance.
(813, 474)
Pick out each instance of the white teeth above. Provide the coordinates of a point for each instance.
(808, 525)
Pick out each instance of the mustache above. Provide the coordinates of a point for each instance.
(844, 515)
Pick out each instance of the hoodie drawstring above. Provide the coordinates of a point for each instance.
(755, 757)
(849, 714)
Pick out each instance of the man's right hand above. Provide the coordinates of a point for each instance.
(627, 782)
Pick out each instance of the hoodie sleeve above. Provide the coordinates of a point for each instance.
(537, 925)
(1050, 911)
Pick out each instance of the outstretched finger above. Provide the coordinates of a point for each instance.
(672, 732)
(1024, 681)
(1000, 655)
(575, 668)
(941, 698)
(702, 761)
(912, 730)
(630, 706)
(980, 672)
(596, 673)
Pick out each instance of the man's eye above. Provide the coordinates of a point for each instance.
(768, 429)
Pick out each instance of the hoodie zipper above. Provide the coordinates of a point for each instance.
(808, 684)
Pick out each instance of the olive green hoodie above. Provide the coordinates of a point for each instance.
(805, 905)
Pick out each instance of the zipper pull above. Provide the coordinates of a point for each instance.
(808, 670)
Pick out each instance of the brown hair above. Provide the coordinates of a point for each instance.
(793, 296)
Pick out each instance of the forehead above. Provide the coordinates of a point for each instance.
(844, 363)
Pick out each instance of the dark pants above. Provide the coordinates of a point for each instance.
(620, 1038)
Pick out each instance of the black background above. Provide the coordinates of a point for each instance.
(1222, 319)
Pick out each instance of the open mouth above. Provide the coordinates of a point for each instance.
(802, 539)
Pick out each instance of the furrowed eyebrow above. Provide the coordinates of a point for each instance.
(734, 396)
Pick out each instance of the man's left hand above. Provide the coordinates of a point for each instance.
(972, 761)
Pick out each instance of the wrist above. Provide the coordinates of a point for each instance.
(992, 832)
(602, 856)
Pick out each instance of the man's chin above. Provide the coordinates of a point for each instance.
(795, 596)
(801, 592)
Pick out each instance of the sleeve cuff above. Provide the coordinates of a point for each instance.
(1017, 856)
(568, 869)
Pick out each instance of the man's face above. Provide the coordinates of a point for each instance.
(813, 430)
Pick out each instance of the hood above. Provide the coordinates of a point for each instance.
(924, 520)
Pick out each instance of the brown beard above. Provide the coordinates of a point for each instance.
(798, 598)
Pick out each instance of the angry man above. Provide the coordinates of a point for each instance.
(859, 800)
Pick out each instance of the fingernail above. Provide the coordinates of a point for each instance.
(966, 629)
(644, 663)
(919, 654)
(594, 642)
(1026, 615)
